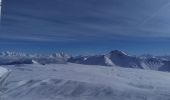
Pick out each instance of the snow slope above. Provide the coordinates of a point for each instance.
(2, 71)
(84, 82)
(3, 75)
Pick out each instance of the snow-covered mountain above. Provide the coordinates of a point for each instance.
(112, 58)
(53, 77)
(122, 59)
(91, 60)
(12, 58)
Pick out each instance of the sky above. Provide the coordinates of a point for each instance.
(86, 26)
(0, 7)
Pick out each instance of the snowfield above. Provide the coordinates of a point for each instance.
(2, 71)
(82, 82)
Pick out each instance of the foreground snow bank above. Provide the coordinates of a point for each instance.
(82, 82)
(3, 75)
(3, 71)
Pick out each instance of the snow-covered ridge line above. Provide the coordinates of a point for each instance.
(115, 57)
(62, 54)
(12, 58)
(122, 59)
(21, 54)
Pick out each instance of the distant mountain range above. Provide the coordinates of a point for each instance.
(113, 58)
(122, 59)
(11, 58)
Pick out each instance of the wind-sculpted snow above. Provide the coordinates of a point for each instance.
(4, 73)
(84, 82)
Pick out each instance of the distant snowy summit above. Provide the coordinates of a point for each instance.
(113, 58)
(117, 52)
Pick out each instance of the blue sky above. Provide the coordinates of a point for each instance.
(86, 26)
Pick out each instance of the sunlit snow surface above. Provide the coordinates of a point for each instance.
(3, 71)
(83, 82)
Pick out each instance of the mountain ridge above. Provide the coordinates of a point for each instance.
(114, 57)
